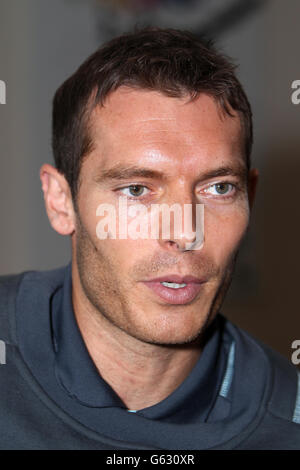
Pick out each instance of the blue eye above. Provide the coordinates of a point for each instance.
(221, 188)
(134, 190)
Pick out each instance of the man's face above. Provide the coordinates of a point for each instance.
(193, 154)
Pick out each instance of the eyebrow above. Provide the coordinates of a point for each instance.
(122, 172)
(239, 171)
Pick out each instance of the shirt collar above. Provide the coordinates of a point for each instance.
(74, 368)
(78, 375)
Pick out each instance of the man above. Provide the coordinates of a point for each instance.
(126, 348)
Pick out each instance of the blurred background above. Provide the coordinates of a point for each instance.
(42, 43)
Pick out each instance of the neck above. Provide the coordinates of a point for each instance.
(141, 374)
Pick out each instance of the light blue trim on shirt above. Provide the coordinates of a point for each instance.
(296, 415)
(228, 376)
(229, 372)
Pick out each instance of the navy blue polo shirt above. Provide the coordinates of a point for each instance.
(225, 391)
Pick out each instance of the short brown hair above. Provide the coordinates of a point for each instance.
(175, 63)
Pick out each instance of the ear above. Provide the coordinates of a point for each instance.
(58, 200)
(252, 185)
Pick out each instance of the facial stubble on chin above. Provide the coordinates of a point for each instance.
(100, 285)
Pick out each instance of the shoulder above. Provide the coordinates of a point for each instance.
(10, 282)
(31, 284)
(283, 399)
(257, 367)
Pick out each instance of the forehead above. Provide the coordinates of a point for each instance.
(141, 124)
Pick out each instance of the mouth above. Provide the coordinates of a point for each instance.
(174, 289)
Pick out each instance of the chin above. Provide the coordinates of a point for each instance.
(169, 334)
(170, 340)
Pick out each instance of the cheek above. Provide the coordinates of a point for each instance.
(224, 231)
(87, 205)
(118, 254)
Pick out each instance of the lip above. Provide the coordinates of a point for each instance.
(176, 278)
(181, 296)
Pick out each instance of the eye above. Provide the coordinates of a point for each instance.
(221, 189)
(135, 190)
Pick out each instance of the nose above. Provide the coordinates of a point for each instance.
(181, 224)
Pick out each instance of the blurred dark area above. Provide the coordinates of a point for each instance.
(204, 17)
(42, 43)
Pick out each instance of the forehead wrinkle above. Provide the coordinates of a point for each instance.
(157, 119)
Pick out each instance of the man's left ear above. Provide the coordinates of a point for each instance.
(58, 200)
(252, 185)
